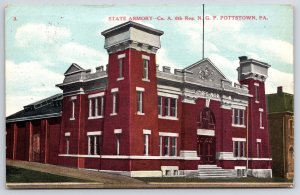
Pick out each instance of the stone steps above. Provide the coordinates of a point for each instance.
(213, 171)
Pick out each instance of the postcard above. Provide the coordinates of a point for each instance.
(110, 96)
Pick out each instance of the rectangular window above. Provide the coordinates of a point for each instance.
(146, 144)
(118, 144)
(139, 101)
(159, 105)
(261, 120)
(173, 107)
(121, 68)
(239, 148)
(67, 138)
(174, 146)
(73, 110)
(256, 93)
(93, 144)
(145, 69)
(115, 107)
(167, 146)
(96, 107)
(258, 149)
(238, 117)
(166, 106)
(160, 145)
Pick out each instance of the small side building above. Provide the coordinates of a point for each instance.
(280, 108)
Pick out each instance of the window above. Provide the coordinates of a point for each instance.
(174, 146)
(160, 145)
(145, 69)
(93, 144)
(115, 105)
(139, 101)
(239, 148)
(73, 107)
(256, 93)
(118, 144)
(96, 106)
(146, 144)
(167, 106)
(67, 142)
(167, 146)
(238, 117)
(121, 68)
(159, 105)
(258, 145)
(261, 119)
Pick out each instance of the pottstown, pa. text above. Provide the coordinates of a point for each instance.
(188, 18)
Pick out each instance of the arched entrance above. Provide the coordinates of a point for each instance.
(206, 141)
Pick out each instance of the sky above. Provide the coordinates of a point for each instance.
(41, 42)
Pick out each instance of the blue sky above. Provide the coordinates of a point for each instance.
(42, 41)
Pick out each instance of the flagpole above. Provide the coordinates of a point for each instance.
(203, 33)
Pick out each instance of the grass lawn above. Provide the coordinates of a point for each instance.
(19, 175)
(183, 179)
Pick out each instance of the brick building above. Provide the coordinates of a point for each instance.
(280, 110)
(134, 119)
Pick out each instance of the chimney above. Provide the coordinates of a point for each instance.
(279, 89)
(243, 58)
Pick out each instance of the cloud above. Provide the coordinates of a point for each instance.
(34, 34)
(277, 78)
(30, 80)
(281, 49)
(162, 59)
(84, 56)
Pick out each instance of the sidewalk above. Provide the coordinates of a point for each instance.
(93, 176)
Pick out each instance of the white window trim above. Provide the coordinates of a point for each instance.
(168, 146)
(120, 56)
(73, 109)
(117, 131)
(233, 118)
(114, 90)
(146, 144)
(256, 84)
(120, 78)
(94, 133)
(146, 131)
(114, 102)
(96, 95)
(258, 140)
(140, 92)
(67, 134)
(167, 95)
(261, 118)
(147, 70)
(146, 57)
(168, 134)
(239, 139)
(73, 98)
(140, 89)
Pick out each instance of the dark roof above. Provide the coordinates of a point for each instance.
(280, 102)
(45, 108)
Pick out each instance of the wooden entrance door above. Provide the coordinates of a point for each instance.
(36, 147)
(207, 149)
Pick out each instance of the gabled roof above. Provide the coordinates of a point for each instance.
(206, 70)
(49, 107)
(74, 68)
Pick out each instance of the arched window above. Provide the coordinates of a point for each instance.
(207, 119)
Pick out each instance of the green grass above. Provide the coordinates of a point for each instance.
(19, 175)
(183, 179)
